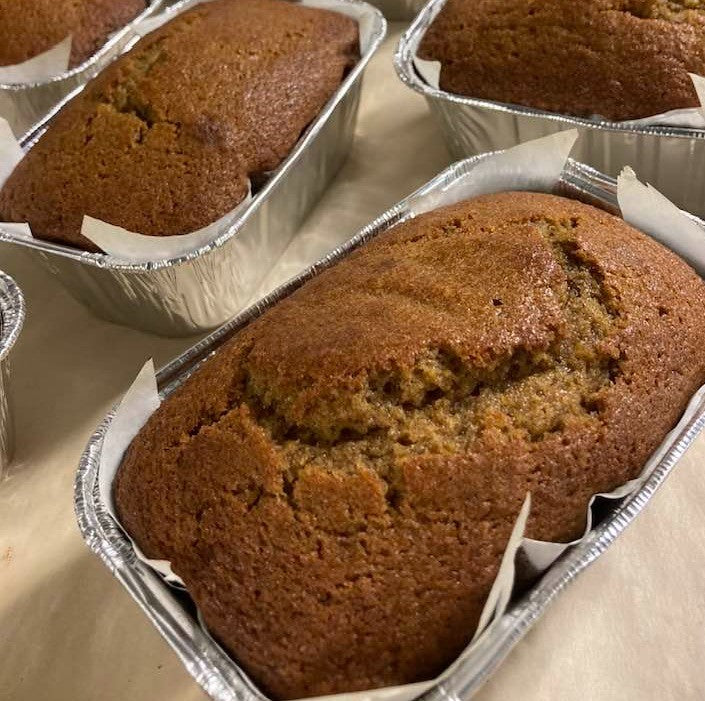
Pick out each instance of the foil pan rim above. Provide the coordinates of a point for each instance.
(12, 313)
(94, 58)
(102, 260)
(221, 676)
(403, 63)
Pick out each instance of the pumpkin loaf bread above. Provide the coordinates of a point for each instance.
(166, 139)
(31, 27)
(620, 59)
(336, 486)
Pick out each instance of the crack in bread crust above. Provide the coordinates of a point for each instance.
(442, 403)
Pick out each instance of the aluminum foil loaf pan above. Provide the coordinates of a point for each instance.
(25, 104)
(12, 313)
(399, 10)
(172, 611)
(197, 291)
(669, 158)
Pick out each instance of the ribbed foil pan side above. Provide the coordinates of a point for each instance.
(173, 613)
(12, 313)
(197, 292)
(25, 104)
(669, 158)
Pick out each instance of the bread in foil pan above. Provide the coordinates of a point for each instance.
(667, 157)
(196, 292)
(174, 615)
(26, 104)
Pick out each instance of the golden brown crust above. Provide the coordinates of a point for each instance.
(336, 487)
(30, 27)
(621, 59)
(164, 140)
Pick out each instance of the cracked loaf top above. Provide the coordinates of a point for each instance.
(337, 485)
(165, 140)
(621, 59)
(30, 27)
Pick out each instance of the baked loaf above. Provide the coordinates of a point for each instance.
(337, 485)
(164, 141)
(30, 27)
(621, 59)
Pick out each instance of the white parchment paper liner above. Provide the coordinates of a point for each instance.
(535, 165)
(48, 64)
(647, 209)
(138, 404)
(135, 247)
(691, 118)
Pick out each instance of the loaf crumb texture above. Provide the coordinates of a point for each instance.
(337, 485)
(31, 27)
(166, 139)
(620, 59)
